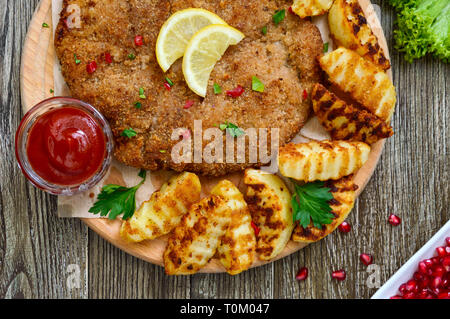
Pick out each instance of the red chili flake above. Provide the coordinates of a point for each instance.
(236, 92)
(255, 228)
(91, 67)
(290, 10)
(167, 86)
(188, 104)
(139, 40)
(108, 58)
(305, 94)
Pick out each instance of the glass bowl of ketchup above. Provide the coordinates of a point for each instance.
(64, 146)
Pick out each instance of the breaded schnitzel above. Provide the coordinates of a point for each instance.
(284, 60)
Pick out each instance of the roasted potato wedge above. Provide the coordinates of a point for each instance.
(323, 160)
(269, 201)
(195, 240)
(346, 122)
(364, 81)
(237, 248)
(344, 191)
(164, 210)
(349, 28)
(311, 8)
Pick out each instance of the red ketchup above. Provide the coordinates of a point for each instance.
(66, 146)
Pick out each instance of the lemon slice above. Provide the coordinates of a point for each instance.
(178, 30)
(203, 51)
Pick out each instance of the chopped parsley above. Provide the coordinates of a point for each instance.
(138, 105)
(142, 93)
(131, 56)
(45, 25)
(279, 16)
(257, 85)
(169, 81)
(162, 151)
(310, 203)
(129, 133)
(232, 129)
(217, 88)
(114, 200)
(325, 47)
(77, 61)
(264, 30)
(51, 91)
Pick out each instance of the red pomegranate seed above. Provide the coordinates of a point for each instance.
(139, 40)
(396, 297)
(423, 267)
(447, 241)
(428, 262)
(302, 274)
(91, 67)
(236, 92)
(305, 94)
(409, 295)
(444, 295)
(436, 282)
(446, 262)
(441, 251)
(438, 271)
(366, 259)
(290, 10)
(418, 276)
(394, 220)
(188, 104)
(402, 289)
(167, 86)
(108, 57)
(255, 228)
(344, 227)
(411, 285)
(339, 274)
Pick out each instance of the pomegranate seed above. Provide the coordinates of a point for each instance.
(91, 67)
(394, 220)
(305, 94)
(428, 262)
(423, 294)
(423, 267)
(339, 274)
(396, 297)
(366, 259)
(447, 241)
(255, 228)
(188, 104)
(441, 251)
(409, 295)
(236, 92)
(436, 282)
(402, 289)
(344, 227)
(290, 10)
(418, 276)
(302, 274)
(435, 260)
(139, 40)
(108, 58)
(446, 262)
(411, 285)
(444, 295)
(167, 86)
(438, 271)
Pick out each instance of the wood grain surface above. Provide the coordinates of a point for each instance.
(40, 254)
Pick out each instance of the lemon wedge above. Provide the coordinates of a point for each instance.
(176, 32)
(204, 49)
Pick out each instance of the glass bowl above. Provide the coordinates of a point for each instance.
(21, 145)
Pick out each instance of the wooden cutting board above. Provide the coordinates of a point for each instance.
(37, 81)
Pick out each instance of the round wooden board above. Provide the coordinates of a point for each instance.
(37, 80)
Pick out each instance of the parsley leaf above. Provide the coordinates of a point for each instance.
(264, 30)
(325, 47)
(169, 81)
(114, 200)
(217, 88)
(279, 16)
(45, 25)
(129, 132)
(257, 85)
(138, 105)
(142, 93)
(131, 56)
(232, 129)
(310, 203)
(77, 61)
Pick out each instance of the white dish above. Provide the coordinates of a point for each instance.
(390, 288)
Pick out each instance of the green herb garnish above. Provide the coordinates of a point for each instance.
(142, 93)
(129, 133)
(131, 56)
(257, 85)
(51, 91)
(232, 129)
(45, 25)
(114, 200)
(264, 30)
(169, 81)
(138, 105)
(279, 16)
(217, 88)
(310, 203)
(77, 61)
(325, 47)
(163, 151)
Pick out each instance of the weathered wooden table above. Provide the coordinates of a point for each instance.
(42, 256)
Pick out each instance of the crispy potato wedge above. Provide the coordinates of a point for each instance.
(349, 28)
(311, 8)
(164, 210)
(195, 240)
(365, 82)
(237, 248)
(346, 122)
(269, 201)
(344, 191)
(323, 160)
